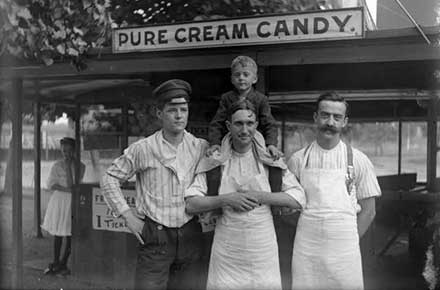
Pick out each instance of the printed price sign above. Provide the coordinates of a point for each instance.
(102, 214)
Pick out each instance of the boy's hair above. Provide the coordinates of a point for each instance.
(334, 97)
(244, 61)
(241, 105)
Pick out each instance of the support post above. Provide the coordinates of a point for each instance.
(124, 141)
(399, 157)
(17, 186)
(37, 169)
(432, 144)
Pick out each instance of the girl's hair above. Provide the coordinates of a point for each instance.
(244, 61)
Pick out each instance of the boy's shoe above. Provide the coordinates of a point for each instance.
(52, 269)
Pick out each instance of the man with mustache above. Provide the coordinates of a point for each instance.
(340, 186)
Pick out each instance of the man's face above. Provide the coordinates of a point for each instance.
(243, 77)
(174, 117)
(67, 151)
(242, 126)
(330, 119)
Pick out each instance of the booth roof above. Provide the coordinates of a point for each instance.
(70, 91)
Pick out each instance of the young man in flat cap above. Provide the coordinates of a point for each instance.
(164, 165)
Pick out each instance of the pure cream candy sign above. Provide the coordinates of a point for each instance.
(311, 26)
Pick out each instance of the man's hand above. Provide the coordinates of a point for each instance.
(134, 224)
(252, 194)
(240, 201)
(274, 152)
(212, 149)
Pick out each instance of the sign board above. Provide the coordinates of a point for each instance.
(274, 29)
(102, 215)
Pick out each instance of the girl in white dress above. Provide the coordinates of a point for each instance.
(58, 218)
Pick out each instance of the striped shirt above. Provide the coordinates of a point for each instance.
(163, 173)
(336, 158)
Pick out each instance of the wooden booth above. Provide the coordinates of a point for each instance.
(389, 78)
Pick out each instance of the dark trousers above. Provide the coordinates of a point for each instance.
(285, 229)
(170, 257)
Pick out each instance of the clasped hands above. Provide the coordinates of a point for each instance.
(243, 200)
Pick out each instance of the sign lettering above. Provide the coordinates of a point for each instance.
(102, 214)
(308, 26)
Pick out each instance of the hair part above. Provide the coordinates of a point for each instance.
(333, 97)
(241, 105)
(244, 61)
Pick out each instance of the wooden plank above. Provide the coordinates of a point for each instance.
(344, 51)
(17, 186)
(349, 53)
(37, 169)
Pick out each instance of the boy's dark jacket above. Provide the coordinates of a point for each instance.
(266, 122)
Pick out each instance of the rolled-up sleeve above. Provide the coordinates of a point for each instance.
(365, 178)
(198, 187)
(291, 186)
(121, 170)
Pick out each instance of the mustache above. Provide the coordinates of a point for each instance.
(329, 128)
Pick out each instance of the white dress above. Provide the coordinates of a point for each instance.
(58, 218)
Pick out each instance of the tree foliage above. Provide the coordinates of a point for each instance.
(50, 30)
(125, 12)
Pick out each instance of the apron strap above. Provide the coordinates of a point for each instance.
(213, 178)
(350, 169)
(275, 178)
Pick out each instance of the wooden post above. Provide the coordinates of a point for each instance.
(124, 141)
(78, 144)
(17, 186)
(432, 144)
(37, 169)
(76, 192)
(399, 157)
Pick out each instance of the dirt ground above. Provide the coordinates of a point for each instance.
(392, 271)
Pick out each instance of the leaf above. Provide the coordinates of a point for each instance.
(78, 31)
(87, 3)
(47, 60)
(24, 13)
(60, 34)
(61, 49)
(72, 51)
(58, 13)
(13, 19)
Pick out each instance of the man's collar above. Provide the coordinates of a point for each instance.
(219, 158)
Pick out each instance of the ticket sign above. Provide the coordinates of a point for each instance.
(102, 215)
(286, 28)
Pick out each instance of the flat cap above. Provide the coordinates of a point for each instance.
(172, 89)
(67, 141)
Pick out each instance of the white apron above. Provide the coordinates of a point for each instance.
(244, 251)
(326, 254)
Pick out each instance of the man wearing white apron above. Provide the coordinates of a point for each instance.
(244, 251)
(340, 204)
